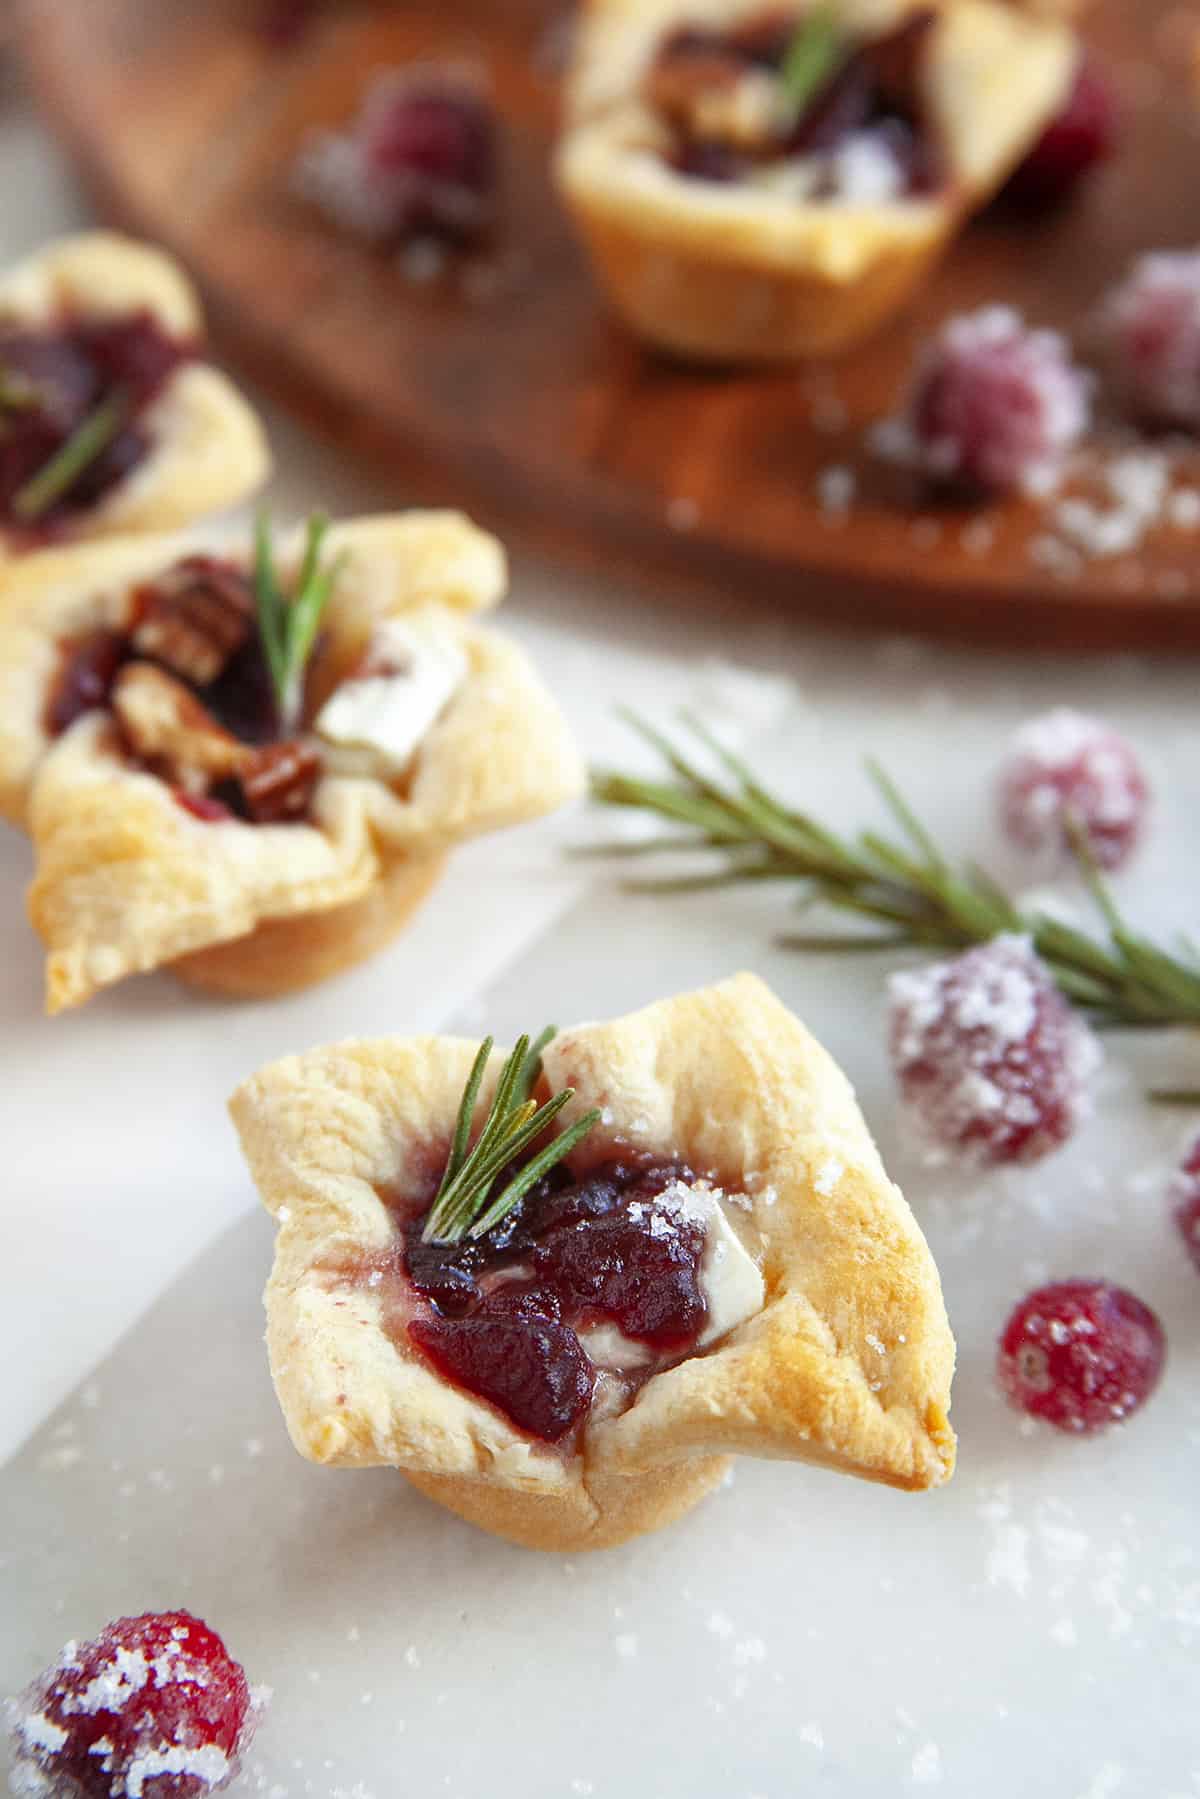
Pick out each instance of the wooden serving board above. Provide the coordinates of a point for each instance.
(521, 396)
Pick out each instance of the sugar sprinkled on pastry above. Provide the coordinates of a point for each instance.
(762, 184)
(112, 420)
(250, 765)
(558, 1289)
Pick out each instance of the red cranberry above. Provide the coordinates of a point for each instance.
(282, 23)
(1066, 766)
(989, 1056)
(639, 1267)
(1153, 323)
(1083, 135)
(85, 678)
(1185, 1195)
(155, 1707)
(709, 161)
(515, 1352)
(1081, 1355)
(420, 162)
(996, 406)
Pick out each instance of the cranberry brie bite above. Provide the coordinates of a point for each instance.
(109, 420)
(559, 1289)
(251, 765)
(766, 183)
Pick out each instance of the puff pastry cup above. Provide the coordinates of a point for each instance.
(736, 271)
(207, 449)
(846, 1362)
(127, 879)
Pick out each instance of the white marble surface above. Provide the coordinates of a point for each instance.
(855, 1619)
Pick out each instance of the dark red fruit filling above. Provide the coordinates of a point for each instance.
(87, 670)
(873, 92)
(1071, 771)
(1185, 1193)
(515, 1351)
(154, 1705)
(52, 381)
(988, 1054)
(612, 1247)
(1081, 1355)
(1082, 137)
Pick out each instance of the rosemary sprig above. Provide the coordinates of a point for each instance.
(814, 54)
(288, 627)
(905, 886)
(467, 1203)
(57, 476)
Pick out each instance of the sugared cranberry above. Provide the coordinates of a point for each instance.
(155, 1707)
(85, 678)
(1065, 766)
(990, 1058)
(420, 161)
(515, 1352)
(1078, 140)
(1081, 1355)
(996, 406)
(1185, 1197)
(1153, 326)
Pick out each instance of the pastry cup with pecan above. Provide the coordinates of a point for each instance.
(719, 1266)
(112, 422)
(178, 819)
(738, 213)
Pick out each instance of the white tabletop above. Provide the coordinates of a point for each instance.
(120, 1171)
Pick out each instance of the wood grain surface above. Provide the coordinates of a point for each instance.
(508, 387)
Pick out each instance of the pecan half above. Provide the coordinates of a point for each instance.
(167, 727)
(278, 781)
(711, 93)
(194, 618)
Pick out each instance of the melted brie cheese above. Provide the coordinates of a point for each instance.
(730, 1279)
(412, 673)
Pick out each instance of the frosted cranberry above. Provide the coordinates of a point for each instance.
(515, 1352)
(1153, 325)
(84, 681)
(1066, 766)
(638, 1265)
(1081, 1355)
(989, 1056)
(154, 1706)
(1185, 1195)
(428, 143)
(996, 406)
(1083, 135)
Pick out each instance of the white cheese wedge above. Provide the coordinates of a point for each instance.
(730, 1279)
(608, 1347)
(413, 670)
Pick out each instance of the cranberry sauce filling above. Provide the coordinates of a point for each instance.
(725, 98)
(52, 382)
(190, 692)
(506, 1312)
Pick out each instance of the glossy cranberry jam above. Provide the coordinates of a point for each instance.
(51, 383)
(725, 96)
(617, 1247)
